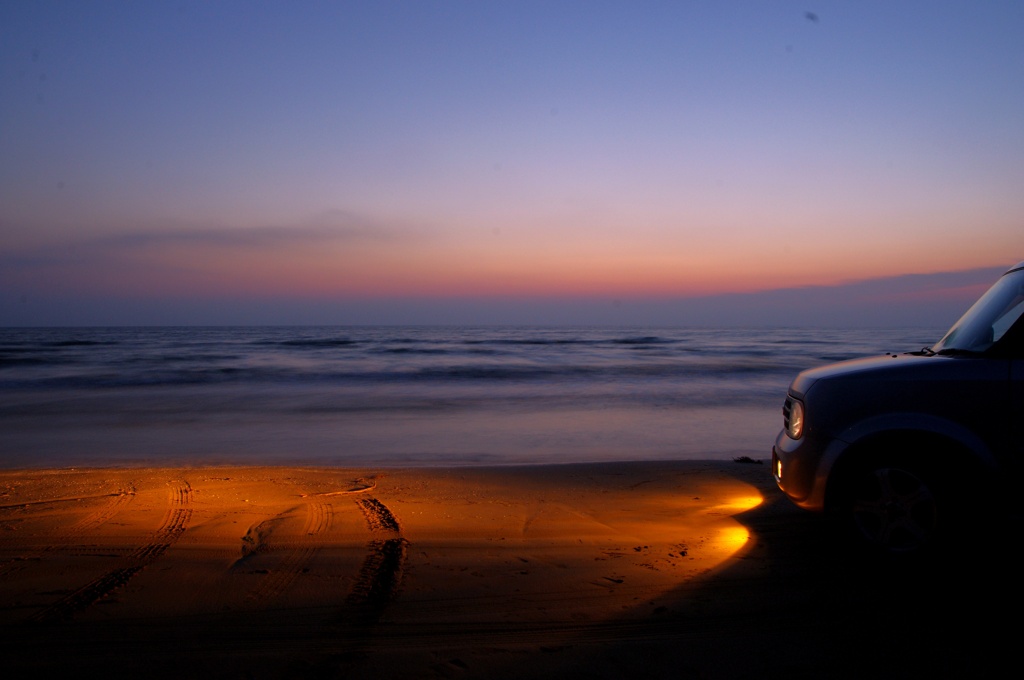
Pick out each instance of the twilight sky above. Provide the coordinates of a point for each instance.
(460, 162)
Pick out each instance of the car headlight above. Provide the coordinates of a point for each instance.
(794, 418)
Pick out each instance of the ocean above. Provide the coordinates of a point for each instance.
(404, 396)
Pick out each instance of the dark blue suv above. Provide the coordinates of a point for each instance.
(901, 448)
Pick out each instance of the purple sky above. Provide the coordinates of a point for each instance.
(548, 162)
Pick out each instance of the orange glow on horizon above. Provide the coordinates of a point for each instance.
(447, 268)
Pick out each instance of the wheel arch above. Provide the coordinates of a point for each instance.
(943, 455)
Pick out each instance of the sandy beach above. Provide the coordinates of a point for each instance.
(662, 569)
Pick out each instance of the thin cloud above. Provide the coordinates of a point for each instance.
(317, 233)
(328, 228)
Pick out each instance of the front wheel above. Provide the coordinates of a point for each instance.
(893, 508)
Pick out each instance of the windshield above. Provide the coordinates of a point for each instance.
(989, 318)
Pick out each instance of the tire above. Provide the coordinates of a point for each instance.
(893, 508)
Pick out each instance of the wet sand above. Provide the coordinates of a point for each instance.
(661, 569)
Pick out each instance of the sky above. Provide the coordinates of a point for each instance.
(491, 162)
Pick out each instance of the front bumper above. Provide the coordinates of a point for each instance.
(797, 469)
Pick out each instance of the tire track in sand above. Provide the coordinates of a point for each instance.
(301, 552)
(174, 524)
(380, 577)
(377, 586)
(105, 512)
(299, 555)
(113, 504)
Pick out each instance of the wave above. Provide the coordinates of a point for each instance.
(104, 358)
(314, 343)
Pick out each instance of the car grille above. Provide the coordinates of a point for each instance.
(787, 408)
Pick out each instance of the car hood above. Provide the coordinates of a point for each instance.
(863, 368)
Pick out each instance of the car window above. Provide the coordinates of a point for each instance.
(1006, 321)
(989, 318)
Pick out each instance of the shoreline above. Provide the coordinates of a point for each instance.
(117, 435)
